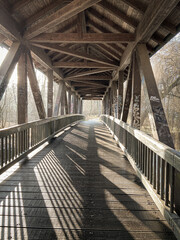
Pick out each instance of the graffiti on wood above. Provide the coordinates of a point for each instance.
(136, 112)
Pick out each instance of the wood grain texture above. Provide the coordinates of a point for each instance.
(79, 187)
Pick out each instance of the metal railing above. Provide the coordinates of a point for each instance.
(18, 141)
(155, 161)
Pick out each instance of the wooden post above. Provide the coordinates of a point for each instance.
(35, 88)
(109, 101)
(63, 101)
(81, 108)
(69, 100)
(120, 93)
(127, 99)
(58, 99)
(22, 101)
(50, 93)
(114, 98)
(136, 94)
(159, 119)
(66, 101)
(157, 109)
(8, 65)
(73, 103)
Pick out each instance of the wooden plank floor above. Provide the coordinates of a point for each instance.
(79, 187)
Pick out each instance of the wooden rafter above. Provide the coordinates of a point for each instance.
(91, 78)
(19, 4)
(152, 19)
(85, 73)
(59, 16)
(84, 38)
(8, 26)
(79, 65)
(56, 4)
(85, 83)
(57, 48)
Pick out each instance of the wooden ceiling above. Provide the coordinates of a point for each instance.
(87, 42)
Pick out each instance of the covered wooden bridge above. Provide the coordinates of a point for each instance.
(79, 184)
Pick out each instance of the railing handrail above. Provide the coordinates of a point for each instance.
(18, 141)
(169, 154)
(156, 164)
(17, 128)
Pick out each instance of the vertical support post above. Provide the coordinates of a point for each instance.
(73, 103)
(159, 119)
(120, 93)
(66, 101)
(58, 99)
(107, 103)
(136, 94)
(50, 93)
(69, 101)
(127, 99)
(110, 101)
(81, 105)
(22, 101)
(63, 100)
(114, 98)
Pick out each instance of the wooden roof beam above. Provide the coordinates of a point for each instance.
(84, 38)
(40, 56)
(91, 78)
(152, 19)
(88, 85)
(85, 83)
(141, 8)
(57, 48)
(8, 26)
(59, 16)
(118, 13)
(85, 73)
(19, 4)
(79, 65)
(46, 11)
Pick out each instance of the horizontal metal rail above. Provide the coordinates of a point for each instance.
(155, 162)
(18, 141)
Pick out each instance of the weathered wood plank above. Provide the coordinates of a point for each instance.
(22, 101)
(152, 19)
(127, 97)
(79, 65)
(136, 94)
(84, 38)
(159, 117)
(50, 93)
(65, 50)
(120, 93)
(92, 78)
(58, 99)
(59, 16)
(9, 26)
(71, 185)
(85, 73)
